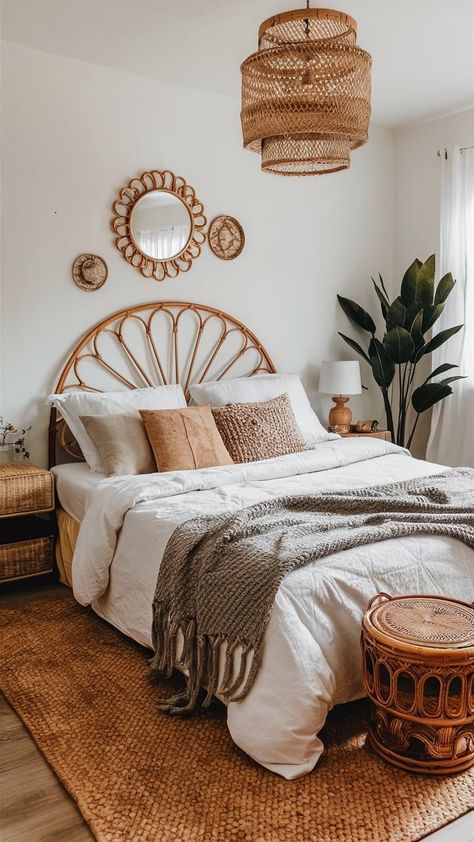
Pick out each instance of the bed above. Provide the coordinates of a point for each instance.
(119, 528)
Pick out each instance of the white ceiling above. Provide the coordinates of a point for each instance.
(423, 50)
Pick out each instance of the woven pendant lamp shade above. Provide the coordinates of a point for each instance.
(306, 93)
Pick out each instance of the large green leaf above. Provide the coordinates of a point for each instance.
(439, 370)
(409, 282)
(357, 314)
(431, 315)
(444, 288)
(384, 302)
(398, 344)
(396, 314)
(383, 367)
(355, 346)
(427, 395)
(416, 333)
(410, 313)
(447, 380)
(383, 286)
(425, 282)
(440, 339)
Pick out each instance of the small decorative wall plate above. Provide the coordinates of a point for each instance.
(89, 272)
(226, 237)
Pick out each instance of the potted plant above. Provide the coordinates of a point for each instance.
(394, 358)
(12, 442)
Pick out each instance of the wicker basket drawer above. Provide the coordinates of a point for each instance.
(26, 558)
(25, 488)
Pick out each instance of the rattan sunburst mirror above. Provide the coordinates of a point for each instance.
(160, 224)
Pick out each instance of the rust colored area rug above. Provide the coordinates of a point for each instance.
(84, 692)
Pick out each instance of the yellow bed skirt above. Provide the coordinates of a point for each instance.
(68, 530)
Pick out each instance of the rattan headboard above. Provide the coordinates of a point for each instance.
(171, 342)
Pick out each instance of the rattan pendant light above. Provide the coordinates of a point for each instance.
(306, 93)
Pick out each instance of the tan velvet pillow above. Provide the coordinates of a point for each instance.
(254, 431)
(121, 442)
(184, 439)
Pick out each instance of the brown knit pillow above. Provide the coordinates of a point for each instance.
(254, 431)
(184, 439)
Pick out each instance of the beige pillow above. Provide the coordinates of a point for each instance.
(184, 439)
(121, 442)
(254, 431)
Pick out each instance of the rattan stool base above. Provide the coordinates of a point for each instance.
(420, 767)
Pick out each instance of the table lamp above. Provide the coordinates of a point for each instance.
(340, 379)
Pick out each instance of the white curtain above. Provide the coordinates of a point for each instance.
(451, 439)
(163, 243)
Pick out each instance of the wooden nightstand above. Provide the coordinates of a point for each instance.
(27, 521)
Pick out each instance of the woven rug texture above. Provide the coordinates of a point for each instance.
(84, 692)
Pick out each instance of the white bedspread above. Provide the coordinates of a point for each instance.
(312, 657)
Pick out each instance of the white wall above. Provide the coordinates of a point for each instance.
(74, 133)
(418, 198)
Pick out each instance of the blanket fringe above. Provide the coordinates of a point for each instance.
(201, 659)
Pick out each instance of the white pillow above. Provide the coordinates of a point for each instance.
(72, 405)
(263, 387)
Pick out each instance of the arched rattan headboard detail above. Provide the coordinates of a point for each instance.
(201, 363)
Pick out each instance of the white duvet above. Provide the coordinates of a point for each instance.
(311, 657)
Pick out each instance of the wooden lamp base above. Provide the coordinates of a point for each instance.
(340, 416)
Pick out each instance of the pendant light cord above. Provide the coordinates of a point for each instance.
(306, 22)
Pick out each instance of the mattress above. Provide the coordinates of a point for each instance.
(74, 481)
(312, 652)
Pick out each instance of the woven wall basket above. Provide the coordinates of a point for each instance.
(306, 93)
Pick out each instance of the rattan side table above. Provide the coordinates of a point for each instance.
(27, 521)
(418, 662)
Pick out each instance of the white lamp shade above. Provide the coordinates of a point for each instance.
(340, 377)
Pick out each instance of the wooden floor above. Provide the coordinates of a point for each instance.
(35, 807)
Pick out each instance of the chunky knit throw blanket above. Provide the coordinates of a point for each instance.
(220, 573)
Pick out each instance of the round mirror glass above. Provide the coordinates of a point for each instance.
(160, 225)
